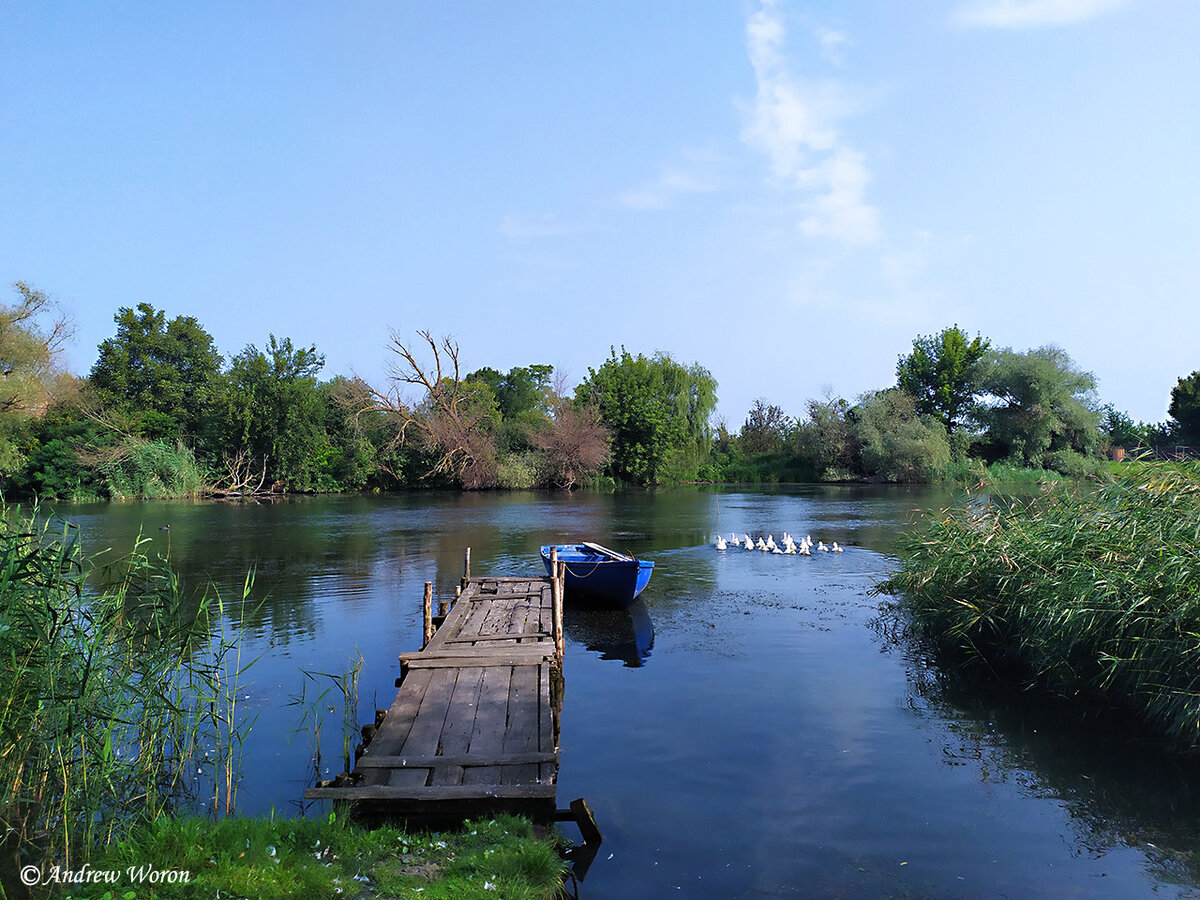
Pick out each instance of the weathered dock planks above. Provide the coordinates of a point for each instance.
(475, 723)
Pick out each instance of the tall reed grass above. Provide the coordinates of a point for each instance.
(117, 705)
(1093, 594)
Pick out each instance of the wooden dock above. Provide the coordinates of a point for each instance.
(474, 726)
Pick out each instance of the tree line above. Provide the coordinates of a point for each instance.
(163, 413)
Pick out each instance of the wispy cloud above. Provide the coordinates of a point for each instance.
(1032, 13)
(662, 191)
(794, 123)
(519, 226)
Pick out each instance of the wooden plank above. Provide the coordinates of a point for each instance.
(426, 730)
(487, 738)
(522, 731)
(369, 761)
(526, 636)
(460, 722)
(482, 651)
(516, 655)
(547, 740)
(391, 734)
(435, 792)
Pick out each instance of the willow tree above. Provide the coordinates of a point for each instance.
(1040, 408)
(658, 412)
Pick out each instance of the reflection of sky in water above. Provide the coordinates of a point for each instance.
(765, 740)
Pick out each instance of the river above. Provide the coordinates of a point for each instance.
(755, 729)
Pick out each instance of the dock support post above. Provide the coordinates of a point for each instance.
(427, 609)
(557, 576)
(466, 567)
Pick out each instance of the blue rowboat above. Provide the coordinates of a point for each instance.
(601, 575)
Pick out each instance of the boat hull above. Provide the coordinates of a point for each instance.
(600, 579)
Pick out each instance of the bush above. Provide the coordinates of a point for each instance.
(520, 471)
(151, 470)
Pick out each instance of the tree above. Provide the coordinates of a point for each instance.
(156, 377)
(576, 444)
(455, 419)
(1038, 404)
(1185, 409)
(657, 410)
(894, 442)
(524, 397)
(272, 417)
(766, 429)
(29, 354)
(941, 373)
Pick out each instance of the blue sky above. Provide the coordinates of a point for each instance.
(785, 192)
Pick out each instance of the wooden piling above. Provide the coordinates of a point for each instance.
(466, 567)
(427, 609)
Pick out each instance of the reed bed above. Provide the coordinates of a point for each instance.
(117, 705)
(1090, 594)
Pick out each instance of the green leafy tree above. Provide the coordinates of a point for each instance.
(29, 370)
(894, 442)
(826, 440)
(942, 374)
(1041, 408)
(272, 416)
(157, 376)
(657, 411)
(767, 429)
(524, 399)
(1185, 409)
(1117, 429)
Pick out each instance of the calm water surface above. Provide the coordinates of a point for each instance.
(752, 730)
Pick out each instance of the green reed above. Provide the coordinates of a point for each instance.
(117, 704)
(1092, 594)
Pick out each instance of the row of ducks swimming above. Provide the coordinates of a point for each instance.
(788, 545)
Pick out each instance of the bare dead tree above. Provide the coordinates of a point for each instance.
(445, 419)
(242, 477)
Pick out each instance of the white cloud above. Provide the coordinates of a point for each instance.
(1032, 13)
(671, 183)
(794, 123)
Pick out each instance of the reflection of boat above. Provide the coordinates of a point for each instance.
(601, 575)
(624, 634)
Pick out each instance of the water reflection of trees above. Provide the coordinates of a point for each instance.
(1119, 787)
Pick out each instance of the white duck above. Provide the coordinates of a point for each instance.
(721, 545)
(821, 546)
(747, 543)
(835, 548)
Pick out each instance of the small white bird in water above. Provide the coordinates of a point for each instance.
(747, 543)
(821, 546)
(770, 542)
(760, 544)
(804, 550)
(835, 548)
(721, 545)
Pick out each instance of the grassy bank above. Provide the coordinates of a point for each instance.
(1092, 594)
(308, 858)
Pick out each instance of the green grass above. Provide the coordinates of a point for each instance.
(288, 858)
(1093, 594)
